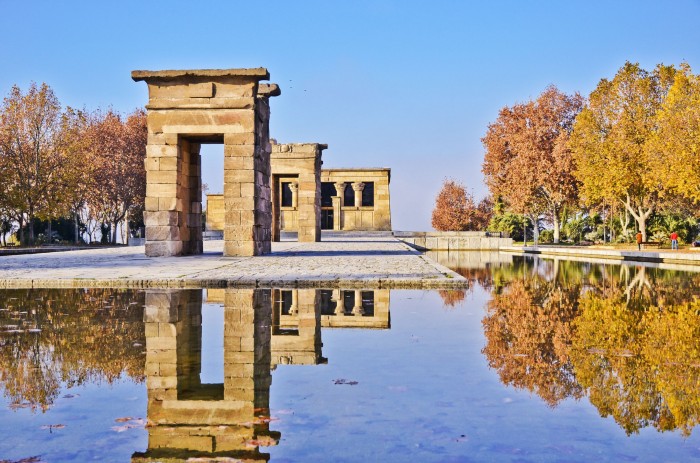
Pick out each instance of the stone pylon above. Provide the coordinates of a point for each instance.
(185, 109)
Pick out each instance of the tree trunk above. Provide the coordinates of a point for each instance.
(640, 216)
(30, 223)
(114, 232)
(77, 228)
(555, 214)
(535, 228)
(625, 223)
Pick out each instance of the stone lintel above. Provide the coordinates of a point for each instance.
(297, 150)
(268, 90)
(256, 74)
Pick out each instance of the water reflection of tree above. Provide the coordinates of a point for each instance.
(475, 276)
(627, 337)
(528, 328)
(640, 366)
(51, 337)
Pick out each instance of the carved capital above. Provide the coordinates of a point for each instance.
(358, 186)
(340, 189)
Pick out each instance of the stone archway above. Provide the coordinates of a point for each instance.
(185, 109)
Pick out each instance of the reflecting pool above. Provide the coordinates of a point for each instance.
(539, 360)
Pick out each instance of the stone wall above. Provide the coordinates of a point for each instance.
(377, 217)
(185, 109)
(215, 212)
(298, 164)
(452, 240)
(185, 415)
(294, 166)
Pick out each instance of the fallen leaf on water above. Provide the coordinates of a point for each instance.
(51, 427)
(22, 405)
(345, 381)
(130, 423)
(462, 438)
(35, 459)
(121, 428)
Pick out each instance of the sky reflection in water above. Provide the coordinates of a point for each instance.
(539, 360)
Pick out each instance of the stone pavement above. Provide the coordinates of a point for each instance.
(689, 257)
(347, 262)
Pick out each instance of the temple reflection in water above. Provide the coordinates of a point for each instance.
(262, 329)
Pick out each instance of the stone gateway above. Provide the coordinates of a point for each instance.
(185, 109)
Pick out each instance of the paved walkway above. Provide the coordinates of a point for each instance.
(685, 256)
(347, 262)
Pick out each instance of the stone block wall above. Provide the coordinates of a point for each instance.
(446, 241)
(215, 212)
(303, 347)
(374, 218)
(185, 415)
(299, 164)
(185, 109)
(379, 320)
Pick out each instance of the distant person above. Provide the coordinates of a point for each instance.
(674, 240)
(639, 240)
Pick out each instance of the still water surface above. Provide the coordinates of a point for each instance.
(539, 360)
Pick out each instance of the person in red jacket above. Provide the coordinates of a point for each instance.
(639, 240)
(674, 240)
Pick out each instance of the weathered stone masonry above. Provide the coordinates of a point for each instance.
(191, 107)
(297, 167)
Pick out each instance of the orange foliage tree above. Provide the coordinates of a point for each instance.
(455, 209)
(117, 149)
(527, 161)
(32, 154)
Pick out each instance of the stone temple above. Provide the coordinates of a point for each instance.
(268, 187)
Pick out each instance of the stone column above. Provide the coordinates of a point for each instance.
(247, 331)
(358, 187)
(339, 302)
(276, 212)
(357, 308)
(337, 205)
(295, 191)
(295, 303)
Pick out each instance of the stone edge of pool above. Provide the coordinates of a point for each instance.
(666, 256)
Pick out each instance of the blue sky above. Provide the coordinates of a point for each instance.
(401, 84)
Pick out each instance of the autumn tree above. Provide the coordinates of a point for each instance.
(32, 154)
(116, 149)
(528, 162)
(610, 138)
(673, 151)
(455, 209)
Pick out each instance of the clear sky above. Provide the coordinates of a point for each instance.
(387, 83)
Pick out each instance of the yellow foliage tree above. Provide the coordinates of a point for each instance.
(674, 151)
(610, 137)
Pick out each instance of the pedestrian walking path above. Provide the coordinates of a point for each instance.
(683, 256)
(347, 262)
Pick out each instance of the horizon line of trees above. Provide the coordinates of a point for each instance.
(587, 168)
(79, 166)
